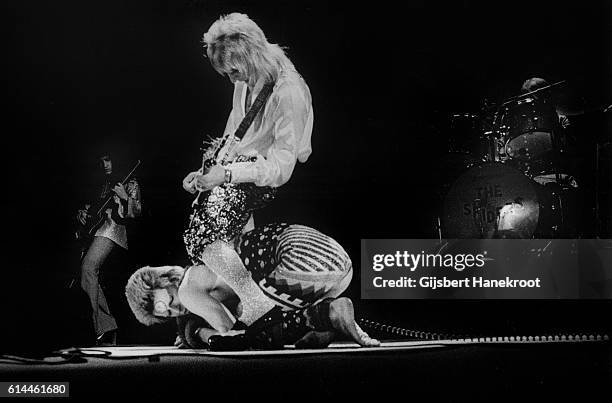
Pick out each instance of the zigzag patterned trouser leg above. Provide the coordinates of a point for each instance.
(295, 265)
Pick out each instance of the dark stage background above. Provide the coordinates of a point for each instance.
(384, 81)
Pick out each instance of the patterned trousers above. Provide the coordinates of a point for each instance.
(294, 265)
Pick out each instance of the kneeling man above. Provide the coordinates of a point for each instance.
(289, 295)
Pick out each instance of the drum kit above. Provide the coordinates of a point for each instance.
(514, 182)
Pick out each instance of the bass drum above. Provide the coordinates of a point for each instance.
(528, 143)
(493, 200)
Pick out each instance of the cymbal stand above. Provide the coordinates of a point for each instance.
(598, 225)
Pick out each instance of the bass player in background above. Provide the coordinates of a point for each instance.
(110, 237)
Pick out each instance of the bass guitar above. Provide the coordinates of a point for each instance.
(94, 221)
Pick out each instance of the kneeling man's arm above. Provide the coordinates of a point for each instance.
(194, 294)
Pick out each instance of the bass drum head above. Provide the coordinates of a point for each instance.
(491, 200)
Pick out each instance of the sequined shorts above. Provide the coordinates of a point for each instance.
(222, 215)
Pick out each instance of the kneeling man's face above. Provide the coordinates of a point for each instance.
(166, 303)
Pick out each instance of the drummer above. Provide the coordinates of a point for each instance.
(535, 83)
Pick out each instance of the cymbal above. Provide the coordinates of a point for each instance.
(542, 92)
(585, 108)
(569, 109)
(569, 101)
(568, 97)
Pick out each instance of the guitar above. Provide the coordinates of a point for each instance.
(95, 220)
(209, 159)
(211, 149)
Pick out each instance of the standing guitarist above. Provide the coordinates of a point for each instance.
(267, 133)
(110, 235)
(258, 151)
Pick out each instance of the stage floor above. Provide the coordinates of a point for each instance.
(455, 372)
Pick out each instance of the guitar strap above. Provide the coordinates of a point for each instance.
(261, 99)
(244, 125)
(246, 122)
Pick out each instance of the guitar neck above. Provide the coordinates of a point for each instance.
(104, 205)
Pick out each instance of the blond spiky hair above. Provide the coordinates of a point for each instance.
(140, 287)
(235, 41)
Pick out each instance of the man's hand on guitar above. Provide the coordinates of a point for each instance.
(189, 183)
(214, 177)
(120, 191)
(82, 215)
